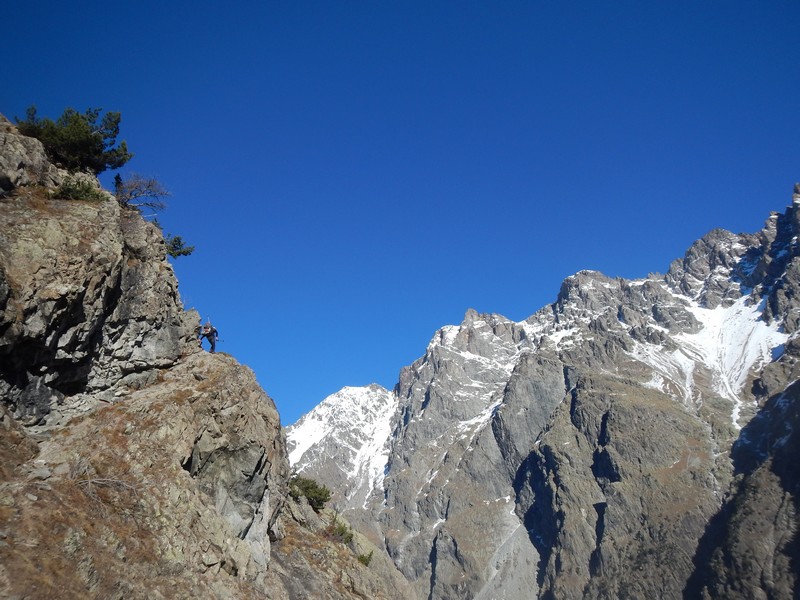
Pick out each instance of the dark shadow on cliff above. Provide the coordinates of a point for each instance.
(771, 440)
(66, 374)
(539, 520)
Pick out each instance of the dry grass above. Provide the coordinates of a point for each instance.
(81, 535)
(71, 537)
(37, 196)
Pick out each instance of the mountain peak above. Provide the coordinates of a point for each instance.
(622, 393)
(346, 435)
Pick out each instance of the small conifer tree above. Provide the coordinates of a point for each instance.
(79, 141)
(176, 246)
(316, 494)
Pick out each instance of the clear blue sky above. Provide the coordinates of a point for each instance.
(355, 175)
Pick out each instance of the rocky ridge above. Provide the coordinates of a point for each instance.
(132, 463)
(630, 440)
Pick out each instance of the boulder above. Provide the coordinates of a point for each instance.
(23, 161)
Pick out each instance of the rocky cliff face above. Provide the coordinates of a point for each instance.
(90, 305)
(633, 439)
(133, 464)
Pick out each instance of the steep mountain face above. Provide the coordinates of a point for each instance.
(633, 439)
(88, 303)
(132, 463)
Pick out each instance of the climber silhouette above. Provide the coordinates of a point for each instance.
(209, 332)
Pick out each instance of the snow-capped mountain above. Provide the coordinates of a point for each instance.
(596, 449)
(346, 437)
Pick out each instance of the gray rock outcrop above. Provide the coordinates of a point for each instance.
(188, 475)
(88, 301)
(23, 161)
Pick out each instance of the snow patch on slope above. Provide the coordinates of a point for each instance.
(732, 342)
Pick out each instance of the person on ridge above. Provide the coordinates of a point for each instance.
(209, 332)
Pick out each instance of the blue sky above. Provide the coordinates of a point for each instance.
(355, 175)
